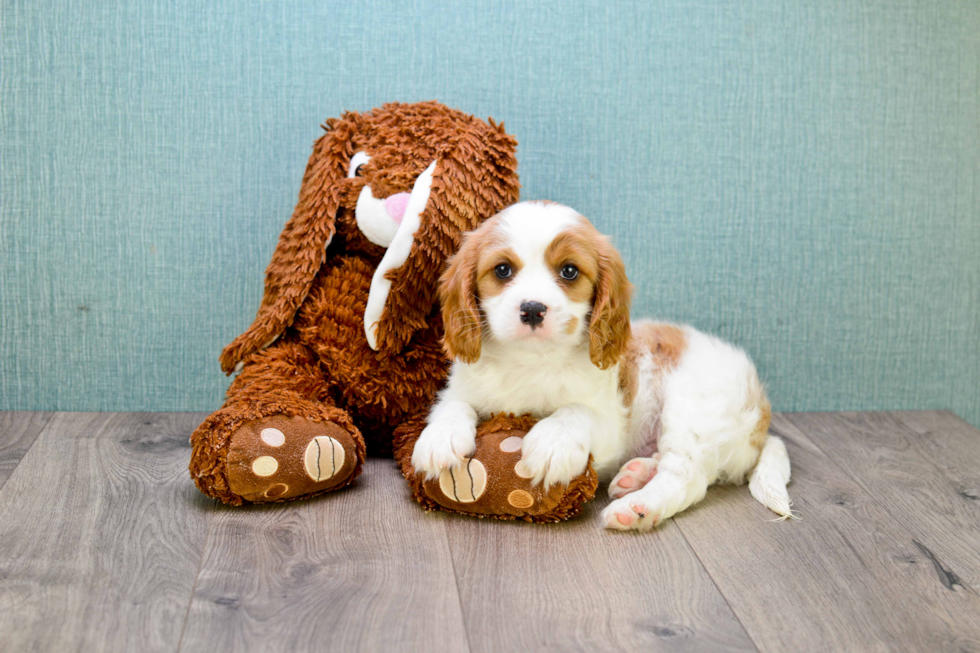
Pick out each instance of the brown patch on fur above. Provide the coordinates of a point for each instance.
(761, 432)
(488, 283)
(609, 322)
(321, 368)
(578, 246)
(571, 326)
(628, 373)
(666, 342)
(463, 336)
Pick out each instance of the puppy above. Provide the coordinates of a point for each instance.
(536, 313)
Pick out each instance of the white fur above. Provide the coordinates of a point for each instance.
(688, 427)
(398, 249)
(712, 403)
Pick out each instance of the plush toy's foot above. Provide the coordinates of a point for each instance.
(276, 458)
(494, 483)
(244, 453)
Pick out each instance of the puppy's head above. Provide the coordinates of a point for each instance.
(537, 274)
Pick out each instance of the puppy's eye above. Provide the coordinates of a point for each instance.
(569, 272)
(357, 163)
(502, 271)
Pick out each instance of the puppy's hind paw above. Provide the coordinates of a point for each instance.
(633, 475)
(629, 515)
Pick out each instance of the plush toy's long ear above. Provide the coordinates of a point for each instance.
(470, 183)
(609, 324)
(302, 244)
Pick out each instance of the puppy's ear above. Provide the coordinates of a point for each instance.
(460, 313)
(609, 325)
(302, 244)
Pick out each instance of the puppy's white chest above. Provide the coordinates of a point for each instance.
(539, 387)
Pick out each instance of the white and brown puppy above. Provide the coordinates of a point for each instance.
(536, 312)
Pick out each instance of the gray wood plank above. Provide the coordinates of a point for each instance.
(17, 433)
(360, 569)
(891, 462)
(845, 577)
(101, 535)
(575, 587)
(952, 445)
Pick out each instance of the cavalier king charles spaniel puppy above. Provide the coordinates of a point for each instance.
(536, 313)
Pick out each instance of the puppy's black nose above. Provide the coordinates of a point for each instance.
(532, 313)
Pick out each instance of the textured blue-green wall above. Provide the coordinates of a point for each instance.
(800, 177)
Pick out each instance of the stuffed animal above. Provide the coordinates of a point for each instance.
(493, 483)
(345, 347)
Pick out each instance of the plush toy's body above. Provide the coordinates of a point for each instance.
(345, 354)
(346, 343)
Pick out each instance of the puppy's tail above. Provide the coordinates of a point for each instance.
(770, 476)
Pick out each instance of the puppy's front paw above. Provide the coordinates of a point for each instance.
(443, 445)
(552, 454)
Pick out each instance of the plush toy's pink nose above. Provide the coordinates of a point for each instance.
(395, 205)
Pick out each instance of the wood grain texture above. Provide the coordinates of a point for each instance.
(951, 445)
(101, 535)
(576, 587)
(359, 569)
(17, 433)
(845, 577)
(909, 473)
(106, 545)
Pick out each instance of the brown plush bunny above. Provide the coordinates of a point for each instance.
(346, 343)
(345, 355)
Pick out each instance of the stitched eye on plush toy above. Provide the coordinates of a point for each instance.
(357, 162)
(569, 272)
(502, 271)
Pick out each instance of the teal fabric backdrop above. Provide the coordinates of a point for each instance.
(802, 178)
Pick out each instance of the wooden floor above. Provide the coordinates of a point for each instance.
(105, 544)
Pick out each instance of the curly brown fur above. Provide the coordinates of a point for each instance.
(285, 380)
(318, 282)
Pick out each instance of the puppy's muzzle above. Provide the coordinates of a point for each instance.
(532, 313)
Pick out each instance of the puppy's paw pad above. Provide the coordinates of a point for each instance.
(625, 515)
(633, 475)
(625, 518)
(618, 517)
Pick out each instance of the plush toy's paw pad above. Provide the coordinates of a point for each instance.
(279, 457)
(324, 458)
(494, 481)
(464, 484)
(633, 475)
